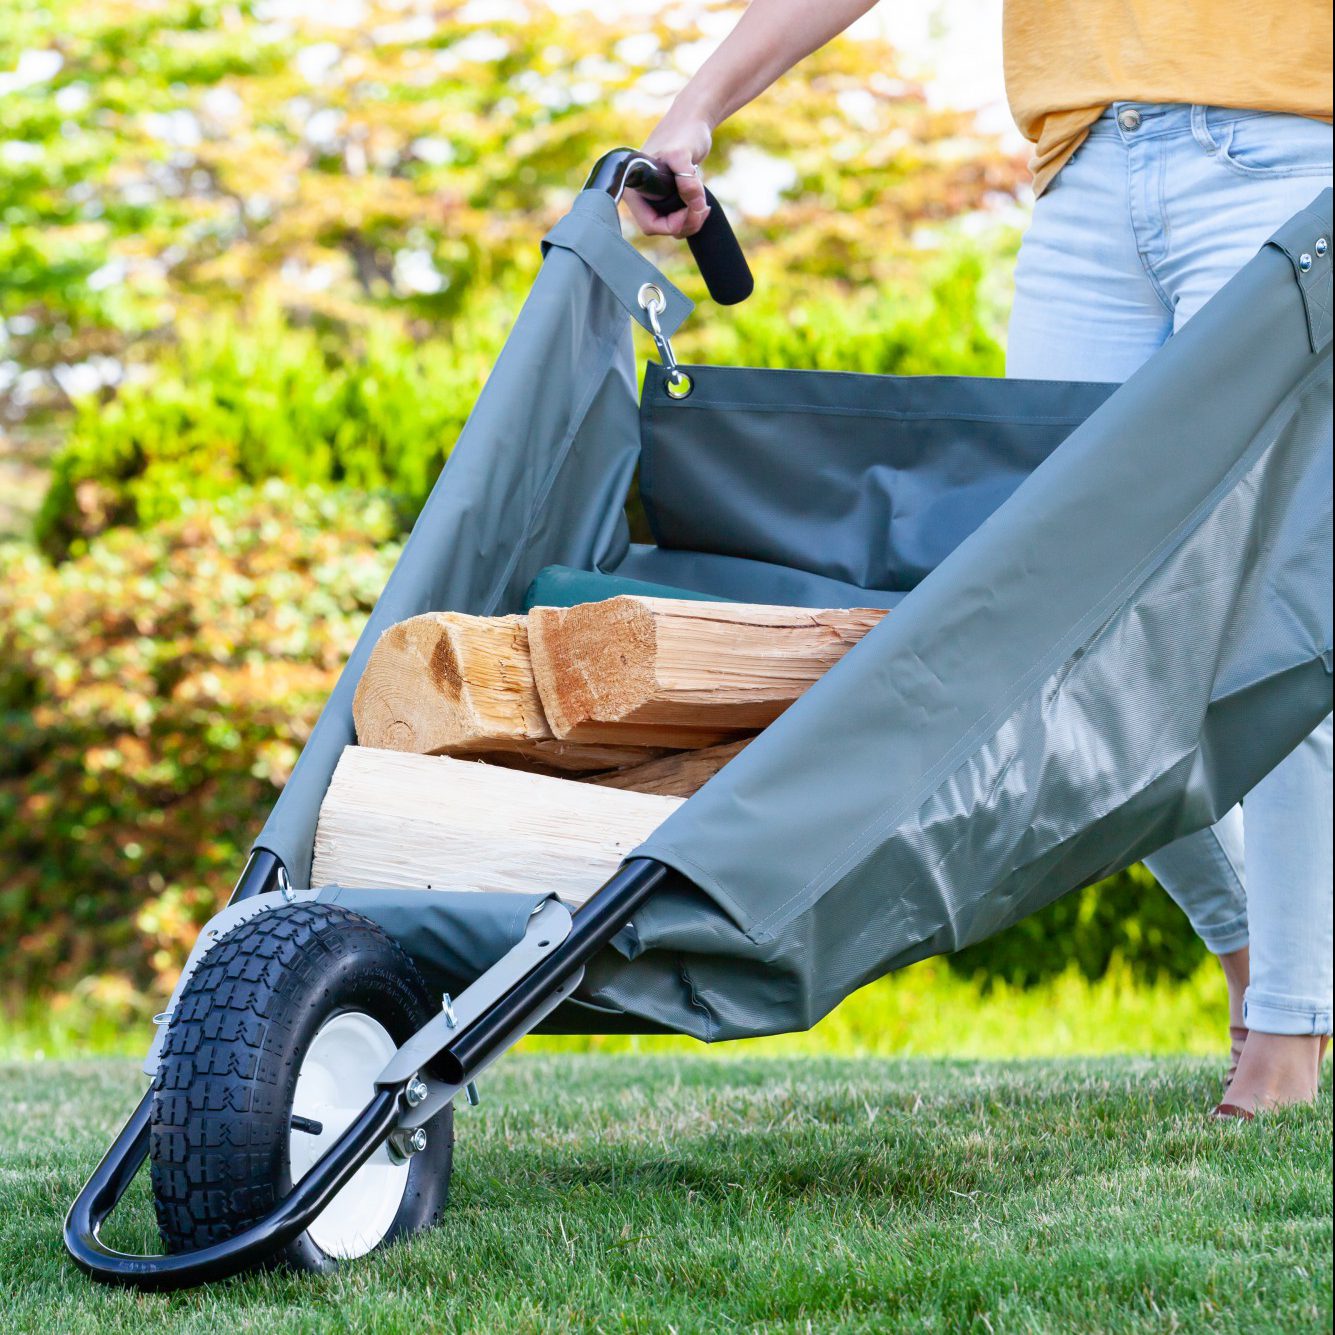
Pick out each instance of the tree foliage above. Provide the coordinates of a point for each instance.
(164, 159)
(230, 405)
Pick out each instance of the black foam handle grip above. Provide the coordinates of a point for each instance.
(719, 257)
(721, 262)
(717, 254)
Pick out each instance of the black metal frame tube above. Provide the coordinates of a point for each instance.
(288, 1220)
(593, 926)
(263, 872)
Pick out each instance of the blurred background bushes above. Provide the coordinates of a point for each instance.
(256, 259)
(153, 693)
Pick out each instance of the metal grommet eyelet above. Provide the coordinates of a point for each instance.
(678, 385)
(651, 298)
(1304, 261)
(1322, 245)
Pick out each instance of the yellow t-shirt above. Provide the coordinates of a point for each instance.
(1067, 60)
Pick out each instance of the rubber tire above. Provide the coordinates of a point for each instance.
(222, 1097)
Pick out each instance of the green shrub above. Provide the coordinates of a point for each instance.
(154, 693)
(156, 687)
(232, 404)
(1126, 917)
(937, 325)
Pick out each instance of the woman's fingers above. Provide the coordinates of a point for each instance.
(650, 222)
(685, 221)
(691, 188)
(681, 223)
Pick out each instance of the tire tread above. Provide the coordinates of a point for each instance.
(220, 1089)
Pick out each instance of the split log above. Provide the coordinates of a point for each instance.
(678, 775)
(658, 671)
(449, 684)
(429, 822)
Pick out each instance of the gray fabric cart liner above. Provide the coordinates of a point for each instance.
(1099, 645)
(868, 480)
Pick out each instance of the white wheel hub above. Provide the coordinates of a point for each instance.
(334, 1084)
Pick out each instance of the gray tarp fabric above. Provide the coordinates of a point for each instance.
(1105, 632)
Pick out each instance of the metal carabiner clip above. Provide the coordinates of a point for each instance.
(653, 303)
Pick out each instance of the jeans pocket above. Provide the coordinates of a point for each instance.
(1275, 146)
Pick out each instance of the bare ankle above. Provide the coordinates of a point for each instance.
(1236, 965)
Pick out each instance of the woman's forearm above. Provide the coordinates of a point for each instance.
(770, 38)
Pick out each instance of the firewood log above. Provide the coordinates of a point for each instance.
(449, 684)
(677, 775)
(391, 820)
(662, 672)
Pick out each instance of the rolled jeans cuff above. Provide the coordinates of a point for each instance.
(1270, 1014)
(1224, 939)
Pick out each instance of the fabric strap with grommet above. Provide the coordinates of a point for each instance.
(592, 230)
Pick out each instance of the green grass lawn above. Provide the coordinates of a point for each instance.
(816, 1194)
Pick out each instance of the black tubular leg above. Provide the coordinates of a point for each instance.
(594, 925)
(261, 874)
(291, 1217)
(111, 1177)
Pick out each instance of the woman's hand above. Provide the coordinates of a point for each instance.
(682, 142)
(770, 38)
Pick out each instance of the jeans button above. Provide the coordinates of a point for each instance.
(1129, 119)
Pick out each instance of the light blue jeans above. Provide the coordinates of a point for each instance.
(1158, 208)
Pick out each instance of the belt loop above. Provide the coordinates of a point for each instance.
(1200, 129)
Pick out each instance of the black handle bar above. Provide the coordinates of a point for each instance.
(717, 254)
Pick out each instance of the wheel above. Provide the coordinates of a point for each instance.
(271, 1051)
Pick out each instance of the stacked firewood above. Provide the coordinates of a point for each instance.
(593, 724)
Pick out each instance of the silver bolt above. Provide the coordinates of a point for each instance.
(1304, 261)
(404, 1144)
(415, 1092)
(447, 1006)
(1322, 245)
